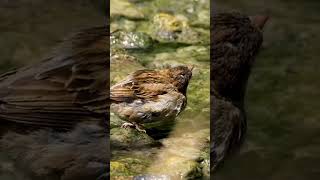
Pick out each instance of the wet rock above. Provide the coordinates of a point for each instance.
(129, 137)
(118, 168)
(129, 152)
(125, 9)
(203, 19)
(196, 55)
(119, 59)
(204, 160)
(183, 156)
(171, 28)
(152, 177)
(115, 121)
(167, 27)
(182, 169)
(131, 40)
(123, 24)
(126, 167)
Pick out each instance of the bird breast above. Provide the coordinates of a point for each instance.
(163, 108)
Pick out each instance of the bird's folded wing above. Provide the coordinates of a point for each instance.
(67, 87)
(142, 84)
(226, 130)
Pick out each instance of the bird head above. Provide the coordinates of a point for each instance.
(180, 76)
(235, 41)
(238, 31)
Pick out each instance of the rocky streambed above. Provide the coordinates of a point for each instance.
(152, 35)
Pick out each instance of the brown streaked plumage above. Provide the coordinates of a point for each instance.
(235, 41)
(68, 87)
(147, 96)
(68, 90)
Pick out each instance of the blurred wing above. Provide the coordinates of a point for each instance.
(143, 84)
(67, 87)
(226, 132)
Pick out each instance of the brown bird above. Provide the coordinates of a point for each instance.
(68, 91)
(69, 86)
(235, 42)
(148, 96)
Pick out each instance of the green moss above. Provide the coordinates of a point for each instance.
(128, 166)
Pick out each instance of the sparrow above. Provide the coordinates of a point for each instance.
(70, 85)
(54, 115)
(148, 96)
(235, 42)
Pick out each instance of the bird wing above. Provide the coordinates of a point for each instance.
(226, 129)
(69, 86)
(142, 84)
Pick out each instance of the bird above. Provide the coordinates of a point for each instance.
(70, 85)
(54, 115)
(148, 96)
(235, 42)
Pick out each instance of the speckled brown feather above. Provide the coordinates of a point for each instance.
(143, 84)
(67, 87)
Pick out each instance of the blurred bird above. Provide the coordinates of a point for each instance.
(68, 87)
(80, 154)
(59, 111)
(235, 42)
(148, 96)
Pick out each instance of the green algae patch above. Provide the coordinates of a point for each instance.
(128, 166)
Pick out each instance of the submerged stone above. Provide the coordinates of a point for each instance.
(121, 137)
(131, 40)
(196, 55)
(174, 28)
(118, 59)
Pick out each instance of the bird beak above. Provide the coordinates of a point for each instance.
(259, 21)
(190, 67)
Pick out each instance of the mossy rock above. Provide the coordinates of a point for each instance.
(128, 137)
(195, 55)
(123, 8)
(131, 40)
(187, 169)
(115, 121)
(174, 28)
(120, 59)
(127, 167)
